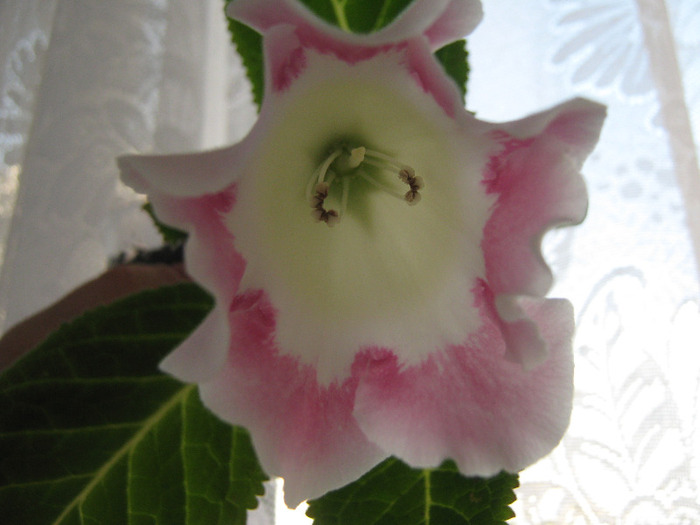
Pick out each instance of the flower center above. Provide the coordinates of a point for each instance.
(345, 164)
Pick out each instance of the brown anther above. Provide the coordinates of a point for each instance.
(407, 174)
(319, 213)
(330, 217)
(412, 197)
(322, 189)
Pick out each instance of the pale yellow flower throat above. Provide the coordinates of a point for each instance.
(343, 164)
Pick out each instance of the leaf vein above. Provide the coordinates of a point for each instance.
(79, 380)
(127, 448)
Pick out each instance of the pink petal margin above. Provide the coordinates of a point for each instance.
(536, 177)
(439, 21)
(469, 404)
(302, 431)
(201, 355)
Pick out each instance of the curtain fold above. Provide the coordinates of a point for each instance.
(98, 97)
(24, 34)
(668, 77)
(82, 81)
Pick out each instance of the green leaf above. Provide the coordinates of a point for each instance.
(358, 16)
(395, 494)
(248, 43)
(92, 433)
(455, 60)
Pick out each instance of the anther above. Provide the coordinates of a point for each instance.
(408, 176)
(319, 212)
(412, 197)
(319, 173)
(320, 194)
(330, 217)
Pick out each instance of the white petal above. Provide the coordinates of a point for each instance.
(389, 274)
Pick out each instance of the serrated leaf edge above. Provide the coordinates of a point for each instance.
(148, 425)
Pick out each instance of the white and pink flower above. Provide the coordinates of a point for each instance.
(373, 250)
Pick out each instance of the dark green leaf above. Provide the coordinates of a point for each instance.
(248, 43)
(92, 433)
(395, 494)
(455, 60)
(357, 16)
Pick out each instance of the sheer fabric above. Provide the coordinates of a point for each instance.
(83, 81)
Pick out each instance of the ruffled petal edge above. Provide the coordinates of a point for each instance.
(470, 404)
(535, 176)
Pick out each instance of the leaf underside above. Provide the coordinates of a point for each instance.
(92, 433)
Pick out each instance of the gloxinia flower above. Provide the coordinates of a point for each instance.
(373, 250)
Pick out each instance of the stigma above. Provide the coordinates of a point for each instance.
(345, 164)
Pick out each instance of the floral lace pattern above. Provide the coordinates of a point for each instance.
(601, 45)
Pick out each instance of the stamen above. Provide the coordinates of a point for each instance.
(319, 173)
(330, 217)
(386, 158)
(321, 192)
(342, 163)
(408, 176)
(412, 197)
(383, 165)
(319, 213)
(344, 198)
(385, 189)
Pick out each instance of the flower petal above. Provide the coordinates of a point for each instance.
(201, 355)
(536, 179)
(182, 175)
(302, 431)
(440, 21)
(457, 21)
(468, 403)
(415, 265)
(524, 344)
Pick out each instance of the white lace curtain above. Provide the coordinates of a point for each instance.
(82, 81)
